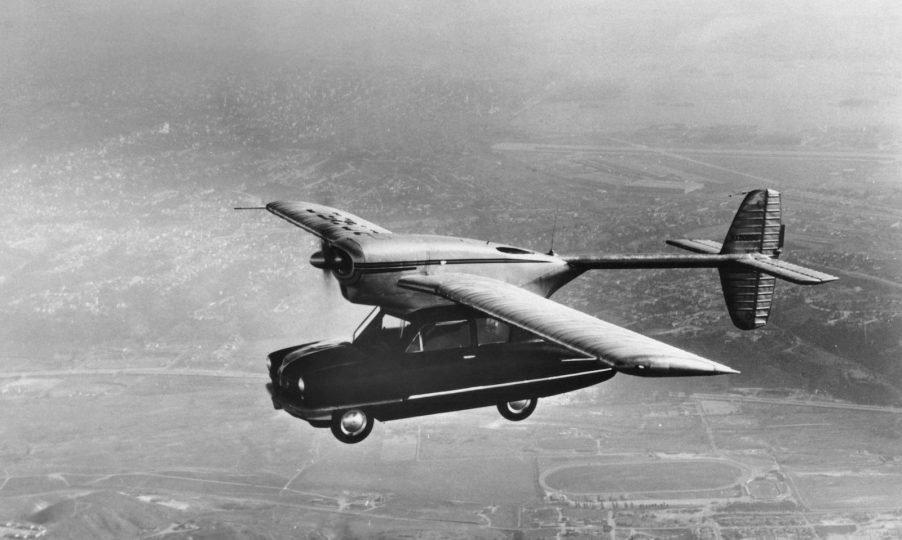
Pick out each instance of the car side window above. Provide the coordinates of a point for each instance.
(520, 335)
(490, 331)
(394, 326)
(440, 336)
(381, 333)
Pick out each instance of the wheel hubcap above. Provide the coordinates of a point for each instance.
(518, 406)
(353, 422)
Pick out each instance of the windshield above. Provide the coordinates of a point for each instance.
(383, 331)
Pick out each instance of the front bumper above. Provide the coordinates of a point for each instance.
(281, 402)
(321, 414)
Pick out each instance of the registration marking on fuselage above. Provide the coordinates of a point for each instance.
(514, 383)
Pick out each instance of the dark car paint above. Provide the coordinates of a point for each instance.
(393, 384)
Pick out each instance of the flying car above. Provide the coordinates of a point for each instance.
(461, 323)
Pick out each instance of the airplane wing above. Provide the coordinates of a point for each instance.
(615, 346)
(325, 222)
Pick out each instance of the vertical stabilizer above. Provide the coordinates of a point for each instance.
(748, 259)
(757, 228)
(749, 295)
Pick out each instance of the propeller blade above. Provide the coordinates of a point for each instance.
(324, 259)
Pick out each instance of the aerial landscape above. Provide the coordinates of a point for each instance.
(138, 307)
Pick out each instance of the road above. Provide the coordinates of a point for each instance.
(183, 372)
(684, 154)
(267, 494)
(799, 403)
(866, 277)
(632, 148)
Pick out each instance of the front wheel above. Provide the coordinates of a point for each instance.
(518, 410)
(351, 426)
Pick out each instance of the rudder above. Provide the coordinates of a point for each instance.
(756, 228)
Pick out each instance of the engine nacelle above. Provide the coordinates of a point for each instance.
(335, 260)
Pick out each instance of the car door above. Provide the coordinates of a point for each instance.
(508, 354)
(439, 357)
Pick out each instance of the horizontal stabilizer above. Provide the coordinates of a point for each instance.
(788, 271)
(708, 247)
(793, 273)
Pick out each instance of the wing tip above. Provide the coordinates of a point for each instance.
(721, 369)
(692, 366)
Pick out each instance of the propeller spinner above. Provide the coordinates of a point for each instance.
(332, 259)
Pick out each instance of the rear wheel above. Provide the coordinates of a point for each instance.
(518, 410)
(351, 426)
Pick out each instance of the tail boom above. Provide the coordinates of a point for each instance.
(792, 273)
(747, 260)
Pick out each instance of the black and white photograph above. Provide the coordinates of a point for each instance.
(451, 269)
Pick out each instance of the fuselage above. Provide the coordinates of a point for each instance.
(379, 261)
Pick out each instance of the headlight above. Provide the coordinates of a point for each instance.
(268, 364)
(301, 385)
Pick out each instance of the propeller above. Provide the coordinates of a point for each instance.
(331, 260)
(323, 259)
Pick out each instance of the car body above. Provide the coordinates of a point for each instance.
(431, 361)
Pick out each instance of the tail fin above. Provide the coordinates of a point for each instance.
(748, 260)
(757, 228)
(751, 249)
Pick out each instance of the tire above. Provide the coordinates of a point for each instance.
(518, 410)
(352, 425)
